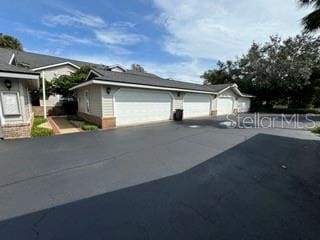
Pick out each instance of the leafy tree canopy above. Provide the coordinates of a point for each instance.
(10, 42)
(311, 22)
(278, 71)
(62, 84)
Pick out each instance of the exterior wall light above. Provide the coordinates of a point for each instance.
(8, 84)
(108, 90)
(178, 94)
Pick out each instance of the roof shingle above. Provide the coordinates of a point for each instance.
(6, 67)
(148, 79)
(35, 60)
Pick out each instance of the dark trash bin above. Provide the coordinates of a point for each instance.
(178, 115)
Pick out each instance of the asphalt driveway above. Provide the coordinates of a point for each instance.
(193, 180)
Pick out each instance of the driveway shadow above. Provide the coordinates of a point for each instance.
(265, 188)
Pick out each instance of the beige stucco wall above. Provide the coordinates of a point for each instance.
(95, 100)
(52, 73)
(24, 101)
(55, 72)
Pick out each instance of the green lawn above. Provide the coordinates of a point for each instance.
(37, 131)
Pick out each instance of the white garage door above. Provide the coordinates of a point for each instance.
(141, 106)
(244, 105)
(196, 105)
(225, 106)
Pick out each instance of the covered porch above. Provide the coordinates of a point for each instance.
(15, 104)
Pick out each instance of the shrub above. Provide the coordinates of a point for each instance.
(316, 130)
(89, 127)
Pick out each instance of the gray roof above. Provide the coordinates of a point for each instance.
(132, 77)
(5, 54)
(6, 67)
(219, 87)
(35, 60)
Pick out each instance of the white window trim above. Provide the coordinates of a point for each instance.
(19, 105)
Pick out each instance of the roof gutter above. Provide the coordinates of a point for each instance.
(28, 76)
(130, 85)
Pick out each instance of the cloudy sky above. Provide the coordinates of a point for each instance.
(179, 39)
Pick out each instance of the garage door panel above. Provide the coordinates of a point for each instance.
(225, 106)
(141, 106)
(244, 105)
(196, 105)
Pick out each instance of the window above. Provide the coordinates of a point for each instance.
(10, 103)
(87, 100)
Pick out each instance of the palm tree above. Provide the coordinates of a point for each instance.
(7, 41)
(312, 21)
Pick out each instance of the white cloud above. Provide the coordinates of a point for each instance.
(63, 39)
(222, 29)
(74, 18)
(119, 37)
(188, 71)
(109, 34)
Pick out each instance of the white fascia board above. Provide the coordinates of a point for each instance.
(12, 58)
(81, 85)
(19, 75)
(225, 89)
(236, 89)
(118, 66)
(56, 65)
(130, 85)
(94, 72)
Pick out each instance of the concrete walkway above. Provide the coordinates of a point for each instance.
(63, 125)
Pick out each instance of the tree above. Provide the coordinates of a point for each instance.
(312, 21)
(62, 84)
(278, 71)
(10, 42)
(137, 68)
(220, 75)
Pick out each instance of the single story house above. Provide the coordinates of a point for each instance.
(15, 105)
(113, 99)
